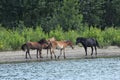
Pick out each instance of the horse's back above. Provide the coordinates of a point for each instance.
(93, 42)
(52, 39)
(87, 41)
(33, 45)
(57, 44)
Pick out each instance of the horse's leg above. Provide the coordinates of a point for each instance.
(51, 51)
(54, 53)
(91, 51)
(85, 51)
(60, 53)
(47, 53)
(37, 54)
(26, 55)
(64, 53)
(95, 51)
(40, 53)
(29, 54)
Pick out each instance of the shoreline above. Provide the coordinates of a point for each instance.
(76, 53)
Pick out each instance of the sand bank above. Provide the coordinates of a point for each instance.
(76, 53)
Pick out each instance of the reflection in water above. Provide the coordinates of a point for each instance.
(82, 69)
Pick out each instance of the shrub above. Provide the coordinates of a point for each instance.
(71, 35)
(13, 39)
(57, 33)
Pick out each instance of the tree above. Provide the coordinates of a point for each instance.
(91, 11)
(67, 15)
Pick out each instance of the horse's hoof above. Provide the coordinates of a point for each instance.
(64, 57)
(41, 57)
(26, 58)
(58, 57)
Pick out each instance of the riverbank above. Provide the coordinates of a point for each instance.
(76, 53)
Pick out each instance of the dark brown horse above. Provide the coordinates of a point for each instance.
(35, 45)
(60, 45)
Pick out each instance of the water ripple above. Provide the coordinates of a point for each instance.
(83, 69)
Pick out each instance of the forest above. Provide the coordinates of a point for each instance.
(69, 14)
(22, 18)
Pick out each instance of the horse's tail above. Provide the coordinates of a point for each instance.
(97, 44)
(23, 47)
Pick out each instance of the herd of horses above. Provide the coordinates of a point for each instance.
(52, 44)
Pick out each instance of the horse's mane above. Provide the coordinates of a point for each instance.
(42, 40)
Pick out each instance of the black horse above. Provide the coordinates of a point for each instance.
(88, 42)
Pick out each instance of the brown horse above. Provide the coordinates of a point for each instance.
(34, 45)
(60, 45)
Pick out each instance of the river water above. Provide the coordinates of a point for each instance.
(79, 69)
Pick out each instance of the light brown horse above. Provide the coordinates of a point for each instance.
(50, 45)
(43, 43)
(52, 39)
(60, 45)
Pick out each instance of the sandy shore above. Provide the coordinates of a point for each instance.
(76, 53)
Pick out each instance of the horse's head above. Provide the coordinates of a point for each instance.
(79, 40)
(43, 40)
(45, 43)
(69, 43)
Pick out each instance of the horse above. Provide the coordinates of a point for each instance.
(61, 45)
(52, 39)
(49, 47)
(34, 45)
(88, 42)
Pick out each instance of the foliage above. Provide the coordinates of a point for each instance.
(57, 33)
(69, 14)
(13, 39)
(94, 33)
(71, 35)
(114, 36)
(23, 20)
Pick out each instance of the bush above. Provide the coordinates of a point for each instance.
(94, 33)
(71, 35)
(58, 33)
(13, 39)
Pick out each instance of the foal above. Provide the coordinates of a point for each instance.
(34, 45)
(88, 42)
(60, 45)
(50, 45)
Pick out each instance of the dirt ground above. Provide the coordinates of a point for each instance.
(76, 53)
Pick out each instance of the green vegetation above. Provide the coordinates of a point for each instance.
(31, 20)
(69, 14)
(13, 39)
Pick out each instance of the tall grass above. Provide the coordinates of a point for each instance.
(13, 39)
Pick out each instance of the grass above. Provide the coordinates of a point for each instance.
(13, 39)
